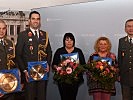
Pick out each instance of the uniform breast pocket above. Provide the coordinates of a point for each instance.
(123, 51)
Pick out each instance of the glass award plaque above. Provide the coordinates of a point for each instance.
(72, 56)
(10, 81)
(106, 59)
(37, 71)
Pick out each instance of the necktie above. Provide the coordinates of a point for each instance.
(36, 35)
(2, 42)
(130, 40)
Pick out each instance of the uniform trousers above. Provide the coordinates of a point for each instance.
(10, 96)
(36, 90)
(127, 92)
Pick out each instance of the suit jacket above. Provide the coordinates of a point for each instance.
(125, 61)
(27, 48)
(6, 48)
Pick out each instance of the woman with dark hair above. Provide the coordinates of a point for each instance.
(68, 91)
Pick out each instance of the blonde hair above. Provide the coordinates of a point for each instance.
(105, 39)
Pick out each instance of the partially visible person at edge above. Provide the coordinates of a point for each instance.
(102, 49)
(125, 61)
(27, 49)
(6, 48)
(68, 91)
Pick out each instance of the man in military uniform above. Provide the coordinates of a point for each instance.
(33, 45)
(125, 61)
(7, 53)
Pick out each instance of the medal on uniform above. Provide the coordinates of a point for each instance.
(31, 49)
(30, 34)
(123, 53)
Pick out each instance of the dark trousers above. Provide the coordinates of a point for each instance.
(10, 96)
(20, 95)
(36, 90)
(68, 92)
(127, 92)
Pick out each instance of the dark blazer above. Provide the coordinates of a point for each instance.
(27, 48)
(5, 49)
(125, 61)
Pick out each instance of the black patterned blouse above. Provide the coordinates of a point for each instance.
(95, 86)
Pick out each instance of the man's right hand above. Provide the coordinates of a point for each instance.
(26, 75)
(1, 95)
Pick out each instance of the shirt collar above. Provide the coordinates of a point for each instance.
(33, 31)
(1, 39)
(129, 39)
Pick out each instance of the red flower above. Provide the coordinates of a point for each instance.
(107, 69)
(97, 66)
(99, 63)
(75, 66)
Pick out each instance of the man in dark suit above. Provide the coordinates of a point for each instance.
(125, 61)
(6, 48)
(29, 44)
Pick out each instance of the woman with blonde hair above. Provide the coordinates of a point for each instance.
(102, 49)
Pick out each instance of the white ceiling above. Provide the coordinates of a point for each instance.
(30, 4)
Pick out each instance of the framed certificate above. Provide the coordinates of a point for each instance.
(10, 81)
(37, 71)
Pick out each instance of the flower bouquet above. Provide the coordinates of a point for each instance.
(69, 68)
(102, 71)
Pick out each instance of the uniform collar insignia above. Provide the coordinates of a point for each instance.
(126, 38)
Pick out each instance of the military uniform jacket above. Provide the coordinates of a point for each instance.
(27, 48)
(6, 48)
(125, 61)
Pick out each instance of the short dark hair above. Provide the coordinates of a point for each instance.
(33, 12)
(68, 35)
(129, 20)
